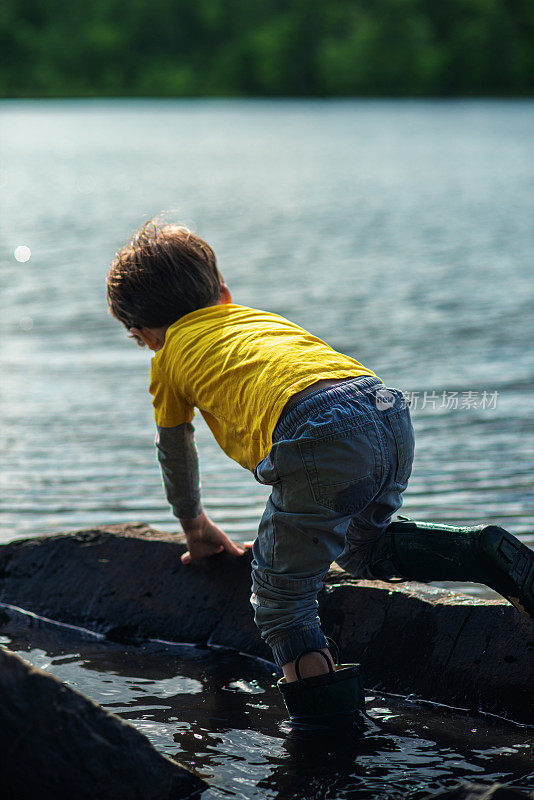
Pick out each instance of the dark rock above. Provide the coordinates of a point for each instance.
(130, 578)
(441, 645)
(56, 744)
(479, 791)
(128, 581)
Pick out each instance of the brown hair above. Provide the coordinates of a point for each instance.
(163, 273)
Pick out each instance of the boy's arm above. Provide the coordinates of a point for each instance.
(178, 460)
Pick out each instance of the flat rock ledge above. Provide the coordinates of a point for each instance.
(478, 791)
(128, 582)
(55, 744)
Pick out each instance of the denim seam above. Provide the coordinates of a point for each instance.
(396, 435)
(384, 460)
(307, 464)
(350, 423)
(336, 429)
(312, 580)
(400, 446)
(384, 468)
(351, 482)
(315, 402)
(280, 485)
(325, 389)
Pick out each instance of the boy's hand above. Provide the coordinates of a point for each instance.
(204, 538)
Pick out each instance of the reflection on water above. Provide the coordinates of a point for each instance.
(400, 232)
(220, 713)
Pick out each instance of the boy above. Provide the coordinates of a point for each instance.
(321, 429)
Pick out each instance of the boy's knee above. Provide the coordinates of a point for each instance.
(280, 602)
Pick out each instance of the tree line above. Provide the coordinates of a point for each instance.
(176, 48)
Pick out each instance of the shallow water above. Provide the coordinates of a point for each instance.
(219, 713)
(400, 232)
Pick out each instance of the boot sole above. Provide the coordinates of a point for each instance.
(515, 563)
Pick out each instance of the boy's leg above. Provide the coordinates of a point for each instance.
(487, 554)
(425, 551)
(318, 484)
(292, 553)
(366, 553)
(326, 465)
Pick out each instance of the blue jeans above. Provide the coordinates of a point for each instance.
(340, 460)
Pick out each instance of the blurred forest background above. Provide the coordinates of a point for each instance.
(177, 48)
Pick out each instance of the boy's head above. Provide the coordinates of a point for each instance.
(163, 273)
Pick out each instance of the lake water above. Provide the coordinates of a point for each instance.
(220, 714)
(400, 232)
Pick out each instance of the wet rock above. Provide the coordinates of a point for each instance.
(440, 645)
(127, 581)
(478, 791)
(56, 744)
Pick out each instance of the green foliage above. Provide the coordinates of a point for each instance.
(273, 48)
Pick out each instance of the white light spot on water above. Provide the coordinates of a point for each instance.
(246, 687)
(26, 323)
(22, 253)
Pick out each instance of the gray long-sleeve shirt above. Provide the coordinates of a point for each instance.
(178, 459)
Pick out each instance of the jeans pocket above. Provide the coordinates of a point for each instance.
(265, 471)
(342, 469)
(403, 443)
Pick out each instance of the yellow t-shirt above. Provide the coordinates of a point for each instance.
(239, 367)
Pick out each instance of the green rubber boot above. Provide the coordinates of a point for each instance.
(325, 702)
(427, 551)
